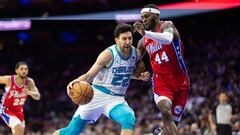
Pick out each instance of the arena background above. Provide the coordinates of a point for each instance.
(59, 50)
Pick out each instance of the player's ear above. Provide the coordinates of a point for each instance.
(116, 39)
(156, 16)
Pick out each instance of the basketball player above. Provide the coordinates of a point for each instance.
(111, 74)
(170, 78)
(17, 88)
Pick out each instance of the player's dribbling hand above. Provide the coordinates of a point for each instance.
(145, 76)
(138, 26)
(69, 87)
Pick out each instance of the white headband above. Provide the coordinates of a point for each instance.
(150, 10)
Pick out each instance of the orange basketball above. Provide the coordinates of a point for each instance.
(82, 93)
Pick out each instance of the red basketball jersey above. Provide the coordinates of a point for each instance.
(165, 58)
(13, 99)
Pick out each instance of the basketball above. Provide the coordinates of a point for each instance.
(82, 93)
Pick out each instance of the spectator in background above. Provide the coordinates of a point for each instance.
(223, 117)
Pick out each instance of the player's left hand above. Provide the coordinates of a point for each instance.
(26, 91)
(145, 76)
(138, 26)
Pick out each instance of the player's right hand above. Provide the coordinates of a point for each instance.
(145, 76)
(138, 26)
(69, 87)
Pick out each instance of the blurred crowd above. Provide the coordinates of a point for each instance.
(213, 67)
(212, 56)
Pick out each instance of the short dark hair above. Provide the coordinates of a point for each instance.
(121, 28)
(19, 64)
(151, 6)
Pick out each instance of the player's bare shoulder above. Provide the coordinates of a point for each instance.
(169, 27)
(107, 57)
(5, 80)
(31, 82)
(166, 26)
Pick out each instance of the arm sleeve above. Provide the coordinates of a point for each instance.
(165, 37)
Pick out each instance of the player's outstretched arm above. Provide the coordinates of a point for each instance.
(33, 90)
(165, 37)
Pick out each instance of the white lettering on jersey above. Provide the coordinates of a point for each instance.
(151, 48)
(16, 94)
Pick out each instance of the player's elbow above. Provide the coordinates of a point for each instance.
(37, 97)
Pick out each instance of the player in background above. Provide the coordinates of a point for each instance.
(17, 88)
(110, 76)
(170, 78)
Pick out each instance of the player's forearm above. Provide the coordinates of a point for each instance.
(86, 77)
(135, 76)
(165, 37)
(35, 95)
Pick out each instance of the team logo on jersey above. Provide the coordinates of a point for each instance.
(16, 94)
(133, 58)
(152, 48)
(118, 61)
(178, 109)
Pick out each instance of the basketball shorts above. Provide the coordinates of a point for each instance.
(175, 89)
(11, 118)
(101, 103)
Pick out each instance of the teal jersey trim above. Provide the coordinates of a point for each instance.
(106, 91)
(112, 57)
(120, 55)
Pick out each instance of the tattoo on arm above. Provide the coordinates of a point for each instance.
(168, 26)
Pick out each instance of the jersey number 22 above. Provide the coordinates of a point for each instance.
(120, 79)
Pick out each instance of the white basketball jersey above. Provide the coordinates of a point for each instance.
(117, 76)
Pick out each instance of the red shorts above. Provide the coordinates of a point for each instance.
(174, 88)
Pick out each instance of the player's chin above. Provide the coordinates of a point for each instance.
(126, 50)
(23, 76)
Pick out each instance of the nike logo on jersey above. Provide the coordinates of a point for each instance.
(14, 87)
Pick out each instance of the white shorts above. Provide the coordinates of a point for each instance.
(101, 103)
(10, 120)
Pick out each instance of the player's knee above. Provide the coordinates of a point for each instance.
(128, 121)
(18, 129)
(165, 109)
